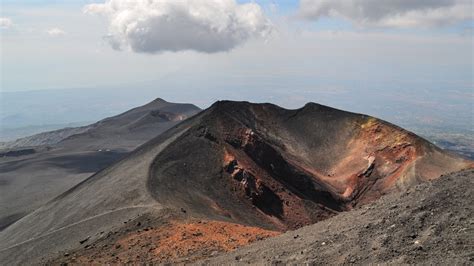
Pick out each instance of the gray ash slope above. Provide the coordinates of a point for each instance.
(253, 164)
(132, 128)
(135, 126)
(42, 139)
(28, 181)
(431, 223)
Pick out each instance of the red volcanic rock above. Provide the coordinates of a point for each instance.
(265, 165)
(176, 241)
(256, 165)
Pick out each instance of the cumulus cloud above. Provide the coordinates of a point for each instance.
(395, 13)
(55, 32)
(153, 26)
(5, 23)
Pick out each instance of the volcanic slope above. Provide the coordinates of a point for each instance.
(428, 224)
(264, 165)
(132, 128)
(73, 154)
(253, 164)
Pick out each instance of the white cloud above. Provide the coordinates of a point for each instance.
(5, 23)
(395, 13)
(152, 26)
(55, 32)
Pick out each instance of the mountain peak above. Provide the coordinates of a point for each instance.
(253, 164)
(159, 100)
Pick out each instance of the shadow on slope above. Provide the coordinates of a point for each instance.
(253, 164)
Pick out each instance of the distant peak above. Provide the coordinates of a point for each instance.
(156, 103)
(158, 100)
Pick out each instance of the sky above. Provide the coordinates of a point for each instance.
(373, 56)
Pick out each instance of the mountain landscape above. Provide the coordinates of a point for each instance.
(287, 132)
(42, 166)
(236, 173)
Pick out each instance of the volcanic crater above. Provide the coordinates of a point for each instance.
(265, 165)
(256, 165)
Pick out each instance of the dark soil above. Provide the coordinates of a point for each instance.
(30, 177)
(264, 167)
(431, 223)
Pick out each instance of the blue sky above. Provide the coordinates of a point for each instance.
(386, 56)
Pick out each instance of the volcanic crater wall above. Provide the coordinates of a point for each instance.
(264, 165)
